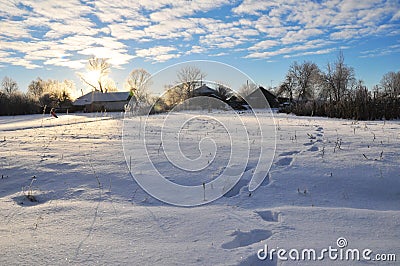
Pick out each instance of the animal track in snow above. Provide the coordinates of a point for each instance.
(269, 216)
(313, 148)
(236, 189)
(284, 161)
(288, 153)
(308, 143)
(243, 239)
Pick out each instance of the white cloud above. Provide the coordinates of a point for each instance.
(14, 29)
(45, 54)
(124, 32)
(9, 7)
(300, 35)
(109, 11)
(117, 57)
(20, 62)
(4, 54)
(264, 45)
(384, 51)
(82, 26)
(158, 53)
(307, 46)
(196, 49)
(253, 7)
(73, 64)
(344, 34)
(318, 52)
(182, 8)
(396, 16)
(59, 10)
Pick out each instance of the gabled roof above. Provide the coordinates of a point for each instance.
(267, 93)
(204, 90)
(96, 96)
(255, 98)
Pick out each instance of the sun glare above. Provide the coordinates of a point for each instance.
(93, 76)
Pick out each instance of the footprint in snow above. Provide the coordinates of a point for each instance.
(285, 161)
(313, 148)
(288, 153)
(308, 143)
(243, 239)
(269, 216)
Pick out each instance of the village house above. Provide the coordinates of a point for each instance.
(96, 101)
(257, 98)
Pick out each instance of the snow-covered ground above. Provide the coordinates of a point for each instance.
(67, 196)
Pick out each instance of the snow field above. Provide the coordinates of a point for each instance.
(330, 178)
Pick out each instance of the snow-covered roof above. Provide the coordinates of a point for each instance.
(204, 90)
(96, 96)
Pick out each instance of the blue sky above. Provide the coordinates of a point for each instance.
(54, 39)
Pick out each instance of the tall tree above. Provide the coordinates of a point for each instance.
(287, 88)
(189, 78)
(305, 77)
(96, 77)
(9, 85)
(337, 80)
(390, 84)
(138, 83)
(35, 88)
(55, 92)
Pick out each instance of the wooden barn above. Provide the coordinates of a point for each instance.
(96, 101)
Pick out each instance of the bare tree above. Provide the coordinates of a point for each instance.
(35, 88)
(109, 85)
(337, 80)
(305, 77)
(97, 75)
(138, 83)
(189, 78)
(174, 95)
(55, 92)
(9, 85)
(390, 84)
(286, 88)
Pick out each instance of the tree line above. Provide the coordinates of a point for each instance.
(307, 90)
(336, 92)
(41, 95)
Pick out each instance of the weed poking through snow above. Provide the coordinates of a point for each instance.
(28, 193)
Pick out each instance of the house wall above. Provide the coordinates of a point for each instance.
(109, 106)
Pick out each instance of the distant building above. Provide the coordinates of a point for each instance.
(204, 90)
(257, 98)
(96, 101)
(233, 101)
